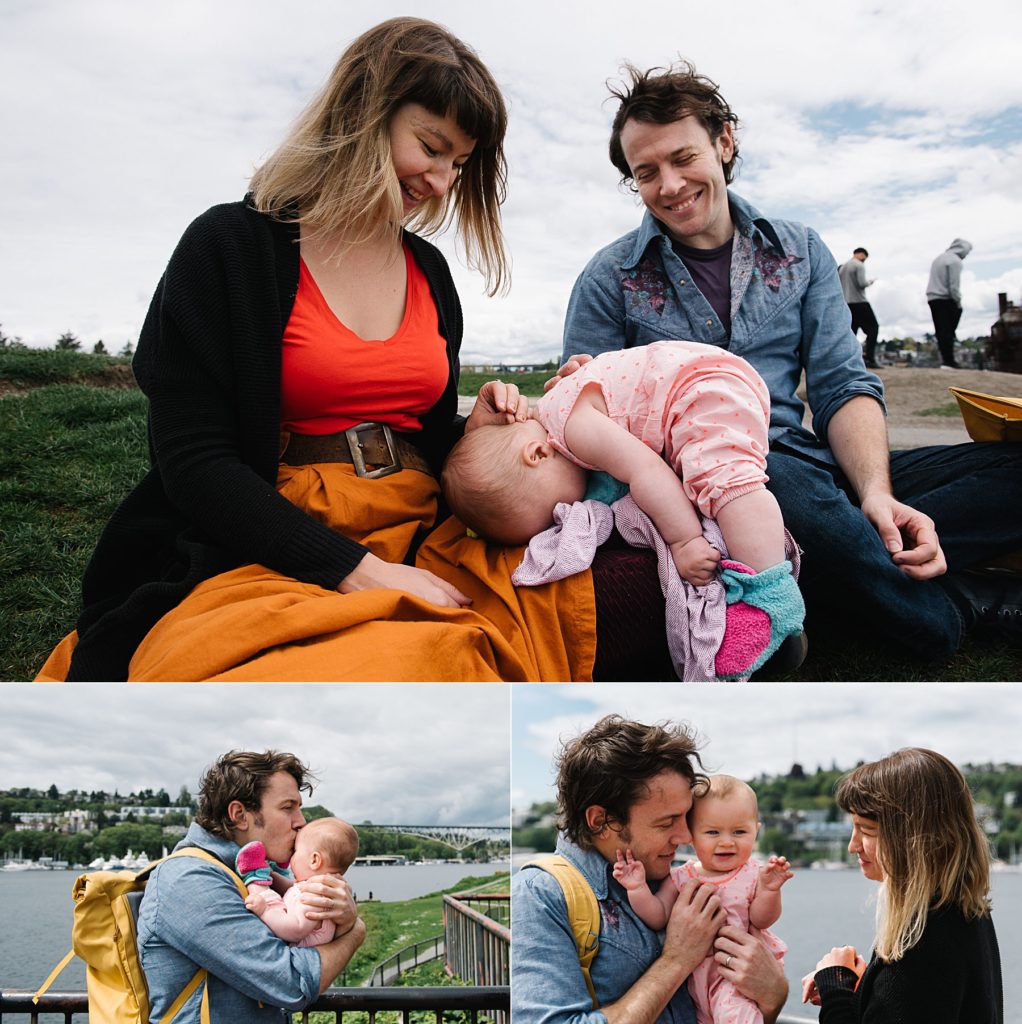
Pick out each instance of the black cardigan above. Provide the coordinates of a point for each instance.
(951, 976)
(209, 361)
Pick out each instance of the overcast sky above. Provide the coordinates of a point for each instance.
(402, 755)
(752, 730)
(895, 126)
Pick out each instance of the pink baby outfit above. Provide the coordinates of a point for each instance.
(285, 917)
(716, 1000)
(706, 410)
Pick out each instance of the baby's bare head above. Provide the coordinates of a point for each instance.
(484, 482)
(324, 846)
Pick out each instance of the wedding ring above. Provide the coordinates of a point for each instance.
(727, 962)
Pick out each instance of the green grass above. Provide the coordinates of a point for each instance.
(950, 409)
(29, 367)
(390, 927)
(70, 454)
(530, 384)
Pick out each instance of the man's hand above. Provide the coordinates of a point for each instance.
(696, 560)
(329, 898)
(568, 369)
(744, 960)
(374, 573)
(774, 873)
(628, 871)
(908, 535)
(695, 919)
(498, 403)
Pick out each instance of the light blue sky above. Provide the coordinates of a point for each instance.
(393, 754)
(763, 729)
(895, 126)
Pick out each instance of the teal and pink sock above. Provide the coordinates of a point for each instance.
(763, 609)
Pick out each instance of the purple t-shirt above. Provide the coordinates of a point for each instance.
(711, 274)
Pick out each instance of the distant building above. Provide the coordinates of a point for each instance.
(152, 813)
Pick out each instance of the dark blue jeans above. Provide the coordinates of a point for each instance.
(973, 493)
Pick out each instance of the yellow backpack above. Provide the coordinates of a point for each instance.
(103, 935)
(583, 911)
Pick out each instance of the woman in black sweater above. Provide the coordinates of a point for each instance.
(281, 323)
(935, 959)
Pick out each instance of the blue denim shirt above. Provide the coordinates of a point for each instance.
(547, 986)
(788, 314)
(192, 916)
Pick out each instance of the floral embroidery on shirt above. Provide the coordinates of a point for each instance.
(647, 286)
(611, 912)
(771, 267)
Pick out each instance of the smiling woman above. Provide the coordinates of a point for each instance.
(300, 358)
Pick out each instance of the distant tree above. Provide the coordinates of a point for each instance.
(99, 349)
(184, 798)
(128, 350)
(67, 342)
(53, 793)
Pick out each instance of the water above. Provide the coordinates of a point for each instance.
(35, 913)
(823, 909)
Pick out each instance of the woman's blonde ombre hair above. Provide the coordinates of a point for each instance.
(335, 164)
(929, 844)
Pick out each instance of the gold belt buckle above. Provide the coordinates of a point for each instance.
(358, 451)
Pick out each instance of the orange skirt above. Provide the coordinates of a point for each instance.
(252, 624)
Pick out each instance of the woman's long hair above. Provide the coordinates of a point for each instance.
(335, 164)
(930, 846)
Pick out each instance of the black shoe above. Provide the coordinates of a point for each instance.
(990, 599)
(788, 657)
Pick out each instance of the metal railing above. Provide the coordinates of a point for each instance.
(405, 959)
(480, 1003)
(477, 946)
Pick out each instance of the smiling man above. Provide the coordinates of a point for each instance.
(192, 915)
(878, 529)
(624, 784)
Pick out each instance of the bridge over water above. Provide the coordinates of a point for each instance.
(457, 837)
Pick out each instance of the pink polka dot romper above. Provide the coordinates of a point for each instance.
(716, 999)
(705, 410)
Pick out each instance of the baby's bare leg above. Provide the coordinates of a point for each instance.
(753, 529)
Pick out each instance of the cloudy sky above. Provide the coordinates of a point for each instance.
(409, 755)
(765, 729)
(892, 125)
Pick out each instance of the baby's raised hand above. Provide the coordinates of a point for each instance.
(696, 560)
(628, 871)
(256, 901)
(774, 873)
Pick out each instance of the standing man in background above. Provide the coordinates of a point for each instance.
(854, 285)
(944, 294)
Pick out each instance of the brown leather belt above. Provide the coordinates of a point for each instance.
(372, 448)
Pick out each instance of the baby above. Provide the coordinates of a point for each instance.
(724, 825)
(683, 424)
(326, 846)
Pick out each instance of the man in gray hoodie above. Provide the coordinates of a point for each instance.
(944, 294)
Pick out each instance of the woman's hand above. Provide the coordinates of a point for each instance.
(744, 960)
(374, 573)
(498, 403)
(574, 363)
(329, 898)
(839, 956)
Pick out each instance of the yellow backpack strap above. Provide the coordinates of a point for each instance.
(53, 976)
(200, 854)
(583, 911)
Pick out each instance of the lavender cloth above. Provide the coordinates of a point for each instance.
(695, 615)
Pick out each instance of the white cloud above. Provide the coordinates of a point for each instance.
(124, 121)
(429, 754)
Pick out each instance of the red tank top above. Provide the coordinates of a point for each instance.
(331, 379)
